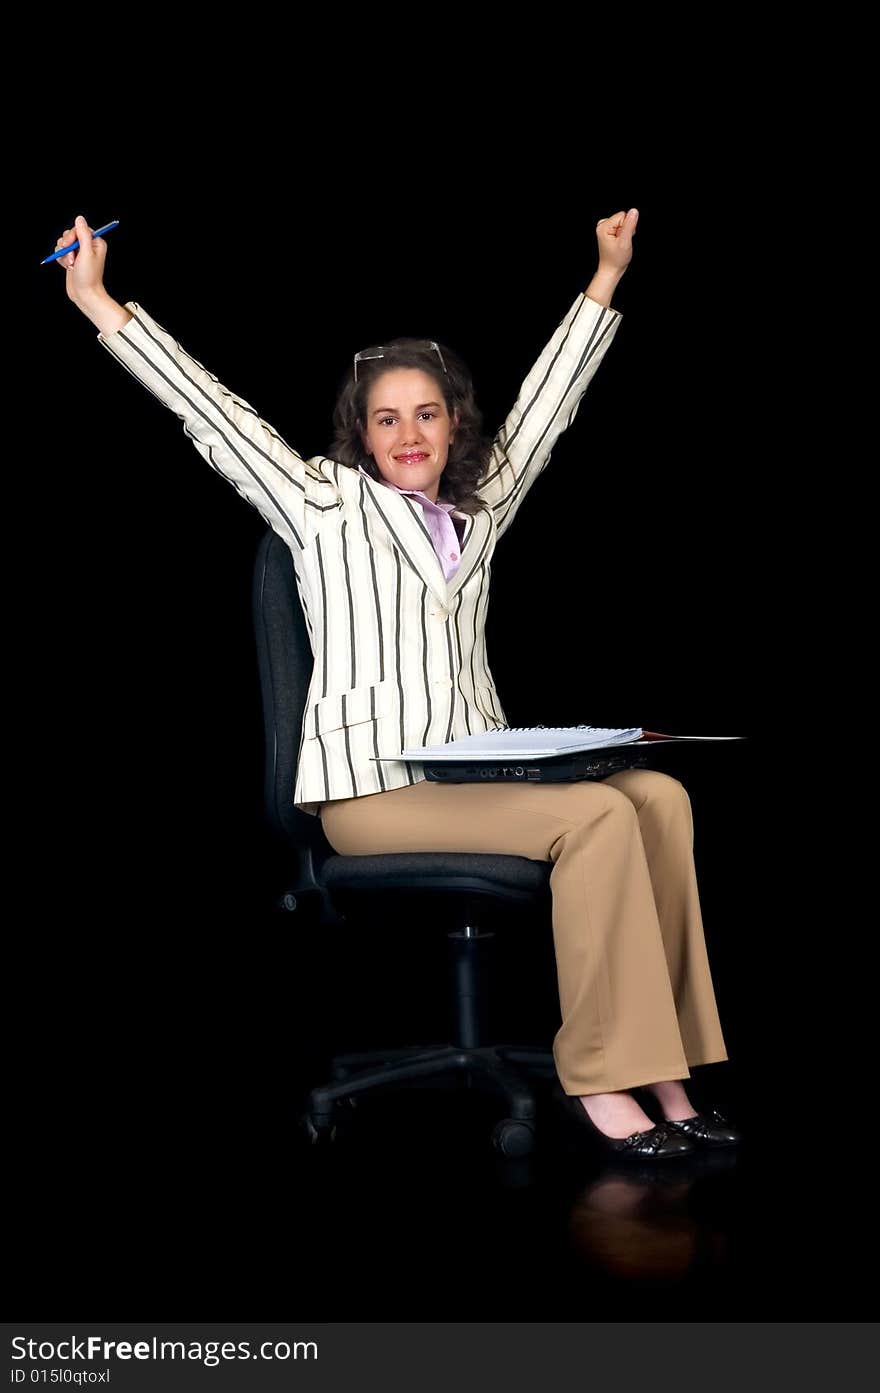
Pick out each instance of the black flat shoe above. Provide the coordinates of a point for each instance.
(658, 1143)
(706, 1129)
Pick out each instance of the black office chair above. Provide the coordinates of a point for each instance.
(471, 883)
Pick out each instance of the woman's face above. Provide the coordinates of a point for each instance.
(406, 414)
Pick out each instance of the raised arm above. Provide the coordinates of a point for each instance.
(290, 493)
(549, 398)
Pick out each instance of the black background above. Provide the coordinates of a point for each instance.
(167, 1018)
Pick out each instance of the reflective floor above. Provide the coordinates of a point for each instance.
(159, 1170)
(220, 1209)
(410, 1211)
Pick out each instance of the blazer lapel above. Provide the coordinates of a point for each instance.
(471, 551)
(404, 518)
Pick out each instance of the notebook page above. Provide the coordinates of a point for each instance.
(525, 742)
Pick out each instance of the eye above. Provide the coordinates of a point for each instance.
(383, 419)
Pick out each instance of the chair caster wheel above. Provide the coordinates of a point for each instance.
(317, 1130)
(513, 1138)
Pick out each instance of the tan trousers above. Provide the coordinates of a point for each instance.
(635, 990)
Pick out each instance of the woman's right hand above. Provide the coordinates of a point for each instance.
(84, 267)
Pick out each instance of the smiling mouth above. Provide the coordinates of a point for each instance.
(410, 459)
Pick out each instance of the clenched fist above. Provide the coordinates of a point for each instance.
(615, 238)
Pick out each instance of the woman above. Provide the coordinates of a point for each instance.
(392, 539)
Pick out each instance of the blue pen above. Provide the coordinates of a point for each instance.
(75, 245)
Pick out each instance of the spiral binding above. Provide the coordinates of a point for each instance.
(524, 729)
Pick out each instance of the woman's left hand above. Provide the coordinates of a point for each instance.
(615, 238)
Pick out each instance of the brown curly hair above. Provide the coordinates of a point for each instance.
(470, 450)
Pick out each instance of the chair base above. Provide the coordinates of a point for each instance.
(490, 1067)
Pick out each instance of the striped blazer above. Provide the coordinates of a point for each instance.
(399, 651)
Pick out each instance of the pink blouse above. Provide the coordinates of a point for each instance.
(440, 523)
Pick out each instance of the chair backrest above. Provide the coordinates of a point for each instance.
(285, 661)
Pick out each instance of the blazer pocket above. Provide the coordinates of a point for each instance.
(350, 708)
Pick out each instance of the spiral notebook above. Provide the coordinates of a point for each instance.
(541, 754)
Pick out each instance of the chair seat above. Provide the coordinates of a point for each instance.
(510, 878)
